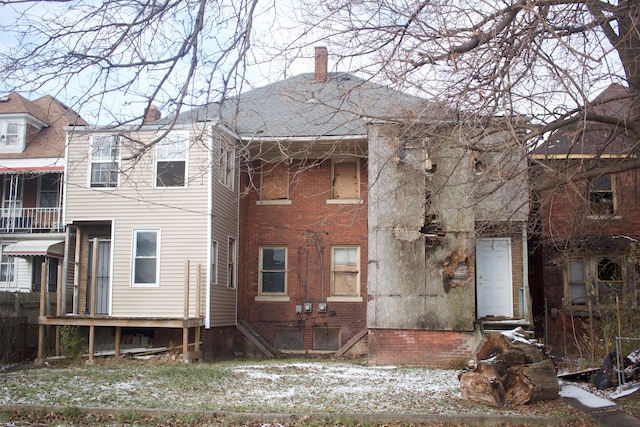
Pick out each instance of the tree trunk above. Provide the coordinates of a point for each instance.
(532, 383)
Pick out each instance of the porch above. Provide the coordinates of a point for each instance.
(29, 220)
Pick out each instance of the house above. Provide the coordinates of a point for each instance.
(32, 145)
(150, 213)
(362, 210)
(328, 215)
(589, 228)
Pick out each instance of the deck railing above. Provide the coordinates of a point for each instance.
(30, 219)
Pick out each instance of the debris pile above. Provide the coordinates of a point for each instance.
(508, 368)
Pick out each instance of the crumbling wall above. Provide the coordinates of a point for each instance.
(413, 283)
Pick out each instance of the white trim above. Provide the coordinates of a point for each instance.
(90, 162)
(42, 162)
(273, 202)
(134, 239)
(184, 137)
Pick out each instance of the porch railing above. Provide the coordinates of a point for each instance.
(30, 219)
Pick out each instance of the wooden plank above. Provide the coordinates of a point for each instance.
(251, 335)
(357, 337)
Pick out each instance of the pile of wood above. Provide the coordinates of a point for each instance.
(509, 369)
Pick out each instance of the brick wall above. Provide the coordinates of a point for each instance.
(308, 227)
(438, 349)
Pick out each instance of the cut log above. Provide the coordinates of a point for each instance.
(513, 345)
(532, 383)
(478, 388)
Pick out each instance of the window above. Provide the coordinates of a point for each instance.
(275, 182)
(105, 157)
(227, 165)
(273, 270)
(609, 279)
(577, 283)
(214, 262)
(10, 134)
(171, 160)
(231, 263)
(345, 181)
(7, 267)
(145, 257)
(601, 195)
(345, 271)
(48, 194)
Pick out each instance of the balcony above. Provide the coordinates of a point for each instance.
(29, 220)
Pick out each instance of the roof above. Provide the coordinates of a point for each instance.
(49, 141)
(593, 138)
(302, 106)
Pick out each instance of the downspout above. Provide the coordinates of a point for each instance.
(525, 276)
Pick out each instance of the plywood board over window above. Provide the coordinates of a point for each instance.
(275, 182)
(346, 182)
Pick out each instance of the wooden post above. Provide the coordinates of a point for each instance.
(94, 278)
(92, 342)
(117, 344)
(198, 297)
(185, 329)
(42, 314)
(58, 308)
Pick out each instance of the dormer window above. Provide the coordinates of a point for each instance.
(11, 136)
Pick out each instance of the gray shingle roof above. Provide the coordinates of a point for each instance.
(300, 106)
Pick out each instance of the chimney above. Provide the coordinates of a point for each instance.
(321, 64)
(152, 115)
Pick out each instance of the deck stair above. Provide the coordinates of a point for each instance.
(493, 325)
(256, 339)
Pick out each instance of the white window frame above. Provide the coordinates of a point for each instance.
(8, 263)
(101, 159)
(14, 141)
(232, 263)
(261, 270)
(345, 298)
(227, 165)
(214, 262)
(174, 147)
(135, 257)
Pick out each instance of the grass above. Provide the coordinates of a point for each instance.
(185, 393)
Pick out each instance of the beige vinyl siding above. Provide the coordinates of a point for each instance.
(224, 225)
(180, 213)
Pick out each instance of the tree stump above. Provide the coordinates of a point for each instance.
(509, 369)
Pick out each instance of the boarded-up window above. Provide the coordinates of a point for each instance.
(345, 182)
(275, 182)
(345, 263)
(326, 338)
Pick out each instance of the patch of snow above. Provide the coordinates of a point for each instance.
(622, 392)
(588, 399)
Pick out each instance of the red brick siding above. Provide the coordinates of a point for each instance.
(308, 227)
(438, 349)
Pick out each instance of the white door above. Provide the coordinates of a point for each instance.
(493, 277)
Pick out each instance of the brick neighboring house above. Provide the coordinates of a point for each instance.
(589, 229)
(32, 165)
(358, 231)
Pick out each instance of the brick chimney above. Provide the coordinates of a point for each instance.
(153, 115)
(321, 64)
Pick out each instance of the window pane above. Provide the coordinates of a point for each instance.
(609, 269)
(576, 270)
(273, 281)
(146, 244)
(170, 174)
(345, 257)
(601, 183)
(578, 294)
(273, 259)
(145, 270)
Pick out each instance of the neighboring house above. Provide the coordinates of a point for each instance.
(32, 145)
(359, 213)
(149, 220)
(590, 229)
